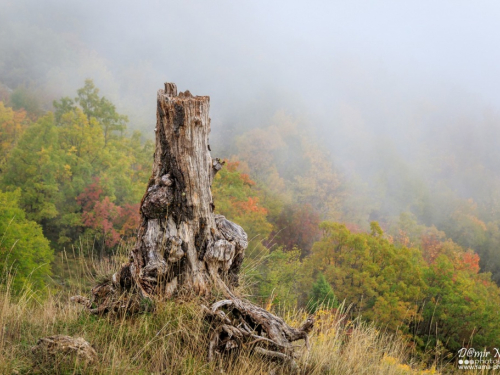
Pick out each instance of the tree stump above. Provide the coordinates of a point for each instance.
(182, 246)
(181, 243)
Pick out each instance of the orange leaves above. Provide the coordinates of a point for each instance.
(233, 166)
(10, 120)
(246, 179)
(468, 261)
(462, 260)
(250, 205)
(129, 220)
(237, 197)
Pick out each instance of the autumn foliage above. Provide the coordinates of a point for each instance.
(78, 174)
(109, 222)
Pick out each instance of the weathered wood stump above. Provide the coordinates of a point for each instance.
(63, 348)
(182, 246)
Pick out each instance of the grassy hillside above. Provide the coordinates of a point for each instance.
(173, 337)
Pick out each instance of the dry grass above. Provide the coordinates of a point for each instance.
(173, 339)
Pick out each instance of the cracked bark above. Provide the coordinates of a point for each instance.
(181, 243)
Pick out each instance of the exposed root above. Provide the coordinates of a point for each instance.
(239, 325)
(236, 324)
(109, 298)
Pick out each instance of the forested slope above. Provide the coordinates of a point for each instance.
(78, 174)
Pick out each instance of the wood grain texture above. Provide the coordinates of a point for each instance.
(181, 243)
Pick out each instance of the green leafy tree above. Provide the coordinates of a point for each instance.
(322, 295)
(12, 126)
(37, 166)
(100, 109)
(382, 281)
(25, 254)
(57, 157)
(461, 303)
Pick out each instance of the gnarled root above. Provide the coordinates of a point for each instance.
(116, 296)
(236, 324)
(239, 324)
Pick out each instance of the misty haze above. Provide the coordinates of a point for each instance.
(361, 143)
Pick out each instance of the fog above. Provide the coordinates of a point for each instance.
(372, 81)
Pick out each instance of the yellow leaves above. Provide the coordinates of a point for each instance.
(392, 365)
(404, 368)
(388, 360)
(67, 169)
(12, 126)
(72, 150)
(44, 154)
(79, 136)
(327, 320)
(269, 303)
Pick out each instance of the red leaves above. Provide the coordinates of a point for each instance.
(111, 221)
(92, 194)
(101, 218)
(128, 220)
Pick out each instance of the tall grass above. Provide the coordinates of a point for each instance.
(173, 339)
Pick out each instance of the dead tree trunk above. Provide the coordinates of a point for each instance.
(182, 245)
